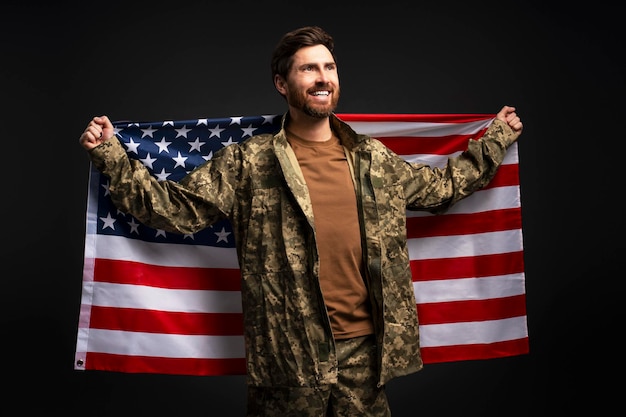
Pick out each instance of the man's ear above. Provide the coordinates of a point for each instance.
(280, 84)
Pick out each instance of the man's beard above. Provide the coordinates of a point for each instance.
(300, 101)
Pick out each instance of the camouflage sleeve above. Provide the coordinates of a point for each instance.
(184, 207)
(437, 189)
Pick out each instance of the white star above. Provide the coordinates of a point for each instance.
(180, 160)
(163, 145)
(160, 232)
(190, 236)
(168, 122)
(248, 130)
(148, 160)
(162, 176)
(106, 188)
(235, 120)
(222, 235)
(132, 146)
(182, 131)
(215, 131)
(268, 118)
(148, 132)
(202, 122)
(109, 222)
(196, 144)
(230, 142)
(209, 156)
(116, 130)
(134, 226)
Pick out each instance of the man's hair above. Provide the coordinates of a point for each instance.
(291, 42)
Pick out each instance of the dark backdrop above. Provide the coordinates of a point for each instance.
(559, 64)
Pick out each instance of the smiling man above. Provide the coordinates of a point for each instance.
(319, 217)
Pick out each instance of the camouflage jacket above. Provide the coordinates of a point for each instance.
(258, 186)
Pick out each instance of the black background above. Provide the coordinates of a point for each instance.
(560, 64)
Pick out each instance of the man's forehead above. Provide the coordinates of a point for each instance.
(313, 55)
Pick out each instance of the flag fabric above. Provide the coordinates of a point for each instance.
(157, 302)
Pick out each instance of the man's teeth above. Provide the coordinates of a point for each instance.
(321, 93)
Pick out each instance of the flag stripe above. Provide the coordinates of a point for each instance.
(172, 322)
(156, 302)
(467, 289)
(167, 299)
(166, 345)
(458, 224)
(119, 271)
(361, 121)
(472, 310)
(475, 351)
(473, 332)
(164, 254)
(478, 244)
(508, 175)
(160, 365)
(444, 145)
(419, 129)
(468, 266)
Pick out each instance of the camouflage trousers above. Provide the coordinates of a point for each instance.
(354, 395)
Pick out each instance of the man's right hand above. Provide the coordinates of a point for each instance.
(97, 131)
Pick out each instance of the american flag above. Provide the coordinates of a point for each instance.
(157, 302)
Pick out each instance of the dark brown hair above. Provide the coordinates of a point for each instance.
(291, 42)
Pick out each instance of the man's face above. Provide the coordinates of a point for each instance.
(313, 82)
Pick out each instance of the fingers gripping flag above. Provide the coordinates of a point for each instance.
(157, 302)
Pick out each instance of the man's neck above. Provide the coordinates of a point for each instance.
(309, 128)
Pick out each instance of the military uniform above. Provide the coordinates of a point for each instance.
(259, 187)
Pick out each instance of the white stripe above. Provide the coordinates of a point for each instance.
(409, 129)
(165, 254)
(439, 247)
(475, 332)
(462, 289)
(165, 299)
(166, 345)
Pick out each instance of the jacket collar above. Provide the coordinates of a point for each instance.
(347, 136)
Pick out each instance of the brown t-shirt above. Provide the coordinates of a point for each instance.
(330, 185)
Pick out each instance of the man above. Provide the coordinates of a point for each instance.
(318, 212)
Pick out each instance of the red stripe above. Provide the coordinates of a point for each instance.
(472, 352)
(168, 322)
(472, 310)
(468, 266)
(442, 145)
(429, 118)
(159, 365)
(507, 175)
(464, 224)
(137, 273)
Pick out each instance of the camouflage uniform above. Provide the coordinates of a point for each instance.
(258, 186)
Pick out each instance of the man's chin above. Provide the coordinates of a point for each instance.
(320, 112)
